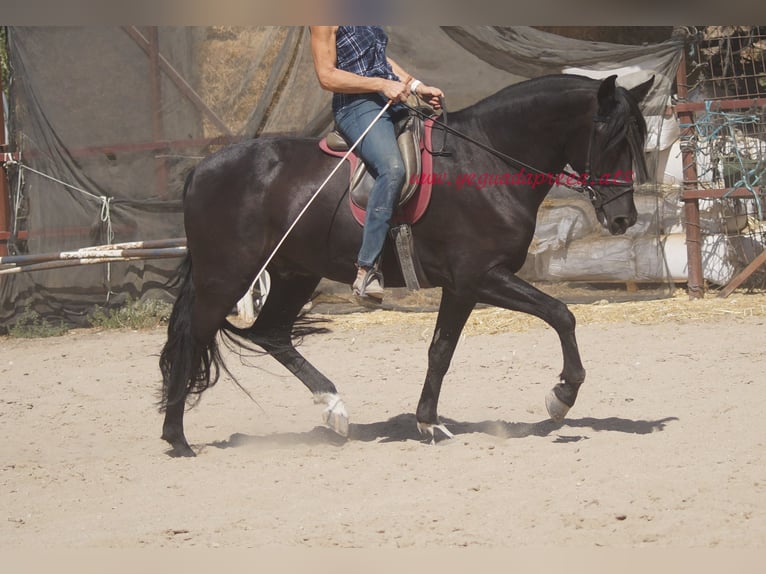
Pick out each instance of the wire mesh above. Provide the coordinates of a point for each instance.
(728, 142)
(727, 62)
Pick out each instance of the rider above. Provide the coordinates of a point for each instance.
(351, 62)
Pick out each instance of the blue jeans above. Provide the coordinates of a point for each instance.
(381, 155)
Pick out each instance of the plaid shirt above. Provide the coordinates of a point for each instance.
(361, 50)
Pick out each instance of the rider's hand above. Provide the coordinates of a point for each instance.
(396, 91)
(430, 95)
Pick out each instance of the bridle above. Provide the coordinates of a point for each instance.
(591, 184)
(588, 184)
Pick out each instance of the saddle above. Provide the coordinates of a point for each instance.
(414, 139)
(408, 135)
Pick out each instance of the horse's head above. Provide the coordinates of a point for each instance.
(615, 146)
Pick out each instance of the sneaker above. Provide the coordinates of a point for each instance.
(367, 285)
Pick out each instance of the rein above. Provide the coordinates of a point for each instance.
(587, 187)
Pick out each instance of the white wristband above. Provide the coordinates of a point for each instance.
(414, 86)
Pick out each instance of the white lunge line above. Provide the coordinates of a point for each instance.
(289, 229)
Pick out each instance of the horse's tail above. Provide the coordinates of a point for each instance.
(187, 366)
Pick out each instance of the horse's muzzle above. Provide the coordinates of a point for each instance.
(619, 225)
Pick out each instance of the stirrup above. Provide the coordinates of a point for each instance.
(361, 288)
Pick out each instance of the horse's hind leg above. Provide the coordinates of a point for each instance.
(273, 330)
(195, 366)
(504, 289)
(190, 361)
(173, 429)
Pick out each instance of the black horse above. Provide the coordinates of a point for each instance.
(239, 201)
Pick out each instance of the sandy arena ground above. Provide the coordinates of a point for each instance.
(664, 448)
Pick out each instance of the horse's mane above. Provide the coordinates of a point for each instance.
(624, 121)
(637, 133)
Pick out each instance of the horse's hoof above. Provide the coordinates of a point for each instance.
(335, 415)
(557, 409)
(428, 428)
(182, 451)
(177, 440)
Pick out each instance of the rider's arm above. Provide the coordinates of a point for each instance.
(340, 81)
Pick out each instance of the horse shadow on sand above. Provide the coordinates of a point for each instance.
(403, 427)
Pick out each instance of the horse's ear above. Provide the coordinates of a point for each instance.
(639, 92)
(606, 93)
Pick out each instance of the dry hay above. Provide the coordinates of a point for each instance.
(235, 63)
(676, 309)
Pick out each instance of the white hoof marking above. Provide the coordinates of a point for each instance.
(426, 428)
(556, 408)
(335, 415)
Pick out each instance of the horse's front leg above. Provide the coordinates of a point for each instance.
(503, 288)
(453, 313)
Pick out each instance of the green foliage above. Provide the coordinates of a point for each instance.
(132, 315)
(31, 325)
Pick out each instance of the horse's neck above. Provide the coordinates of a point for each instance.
(536, 132)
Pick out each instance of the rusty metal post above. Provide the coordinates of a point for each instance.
(156, 87)
(5, 198)
(695, 284)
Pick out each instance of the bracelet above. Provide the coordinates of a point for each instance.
(414, 86)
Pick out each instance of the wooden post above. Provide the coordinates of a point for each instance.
(743, 275)
(157, 132)
(179, 82)
(695, 285)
